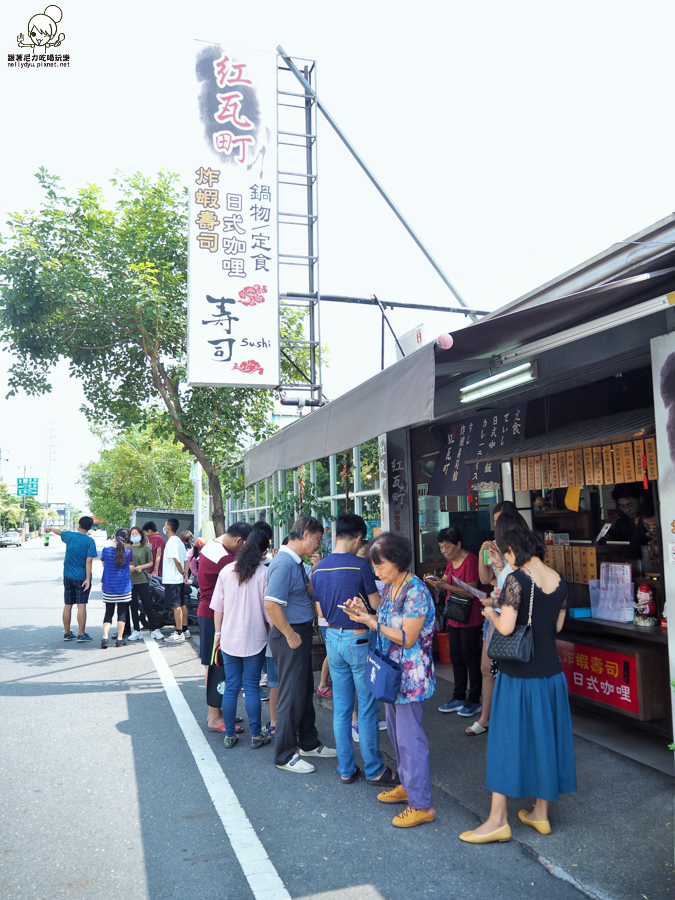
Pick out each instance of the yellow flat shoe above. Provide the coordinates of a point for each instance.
(397, 795)
(410, 817)
(542, 827)
(502, 834)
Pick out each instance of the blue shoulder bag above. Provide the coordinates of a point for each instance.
(383, 675)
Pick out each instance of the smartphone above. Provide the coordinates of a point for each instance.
(347, 608)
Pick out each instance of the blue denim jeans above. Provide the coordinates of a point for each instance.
(246, 669)
(347, 659)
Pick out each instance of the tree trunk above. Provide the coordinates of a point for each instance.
(170, 397)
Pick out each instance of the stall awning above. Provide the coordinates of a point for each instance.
(627, 426)
(479, 345)
(399, 396)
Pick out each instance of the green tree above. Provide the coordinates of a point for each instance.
(105, 288)
(137, 467)
(10, 509)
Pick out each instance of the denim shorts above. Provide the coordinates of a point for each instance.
(73, 592)
(272, 672)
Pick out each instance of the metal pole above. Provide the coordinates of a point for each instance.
(369, 301)
(384, 316)
(198, 498)
(310, 90)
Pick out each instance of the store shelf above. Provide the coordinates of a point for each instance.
(604, 628)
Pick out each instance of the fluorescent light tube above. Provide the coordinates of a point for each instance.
(496, 384)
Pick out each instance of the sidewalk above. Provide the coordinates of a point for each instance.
(612, 839)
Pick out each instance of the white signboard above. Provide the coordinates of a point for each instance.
(233, 294)
(663, 378)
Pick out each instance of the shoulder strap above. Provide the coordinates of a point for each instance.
(529, 619)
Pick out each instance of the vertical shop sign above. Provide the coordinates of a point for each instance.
(600, 675)
(394, 460)
(663, 380)
(233, 294)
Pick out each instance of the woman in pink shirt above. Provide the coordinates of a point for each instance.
(238, 604)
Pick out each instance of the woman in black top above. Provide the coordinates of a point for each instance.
(530, 743)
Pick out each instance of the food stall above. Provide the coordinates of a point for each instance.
(553, 401)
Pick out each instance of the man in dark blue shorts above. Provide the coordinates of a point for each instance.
(80, 552)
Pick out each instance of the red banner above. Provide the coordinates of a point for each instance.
(609, 678)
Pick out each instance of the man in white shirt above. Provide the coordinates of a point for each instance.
(174, 576)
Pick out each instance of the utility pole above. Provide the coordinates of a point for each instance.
(23, 504)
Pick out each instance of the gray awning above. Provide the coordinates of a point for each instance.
(399, 396)
(506, 331)
(626, 426)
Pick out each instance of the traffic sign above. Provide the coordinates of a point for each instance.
(27, 487)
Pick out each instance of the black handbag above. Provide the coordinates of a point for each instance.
(458, 608)
(517, 646)
(215, 679)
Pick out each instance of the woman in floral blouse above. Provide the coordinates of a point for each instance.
(406, 612)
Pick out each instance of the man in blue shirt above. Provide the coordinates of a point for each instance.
(341, 576)
(291, 613)
(80, 552)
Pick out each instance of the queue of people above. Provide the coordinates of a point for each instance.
(256, 616)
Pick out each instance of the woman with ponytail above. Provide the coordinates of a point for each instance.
(116, 585)
(240, 620)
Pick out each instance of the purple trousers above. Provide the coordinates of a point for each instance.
(404, 727)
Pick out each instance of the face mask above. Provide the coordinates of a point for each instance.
(135, 538)
(164, 530)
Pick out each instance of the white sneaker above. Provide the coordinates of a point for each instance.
(321, 751)
(355, 732)
(157, 634)
(135, 636)
(176, 638)
(297, 764)
(383, 725)
(186, 633)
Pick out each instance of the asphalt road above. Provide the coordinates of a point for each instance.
(103, 796)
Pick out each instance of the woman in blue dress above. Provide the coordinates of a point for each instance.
(530, 744)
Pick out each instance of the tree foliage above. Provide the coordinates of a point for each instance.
(106, 288)
(137, 467)
(10, 509)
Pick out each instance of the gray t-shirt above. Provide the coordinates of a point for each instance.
(287, 585)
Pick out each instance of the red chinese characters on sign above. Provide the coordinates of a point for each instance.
(252, 295)
(249, 366)
(601, 675)
(227, 72)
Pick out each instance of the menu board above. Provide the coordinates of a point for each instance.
(589, 471)
(608, 464)
(545, 472)
(597, 465)
(579, 467)
(619, 476)
(628, 461)
(650, 453)
(555, 475)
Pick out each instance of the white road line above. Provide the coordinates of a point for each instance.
(258, 869)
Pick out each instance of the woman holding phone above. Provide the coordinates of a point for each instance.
(406, 613)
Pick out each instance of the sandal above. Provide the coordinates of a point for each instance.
(324, 692)
(387, 779)
(352, 778)
(475, 729)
